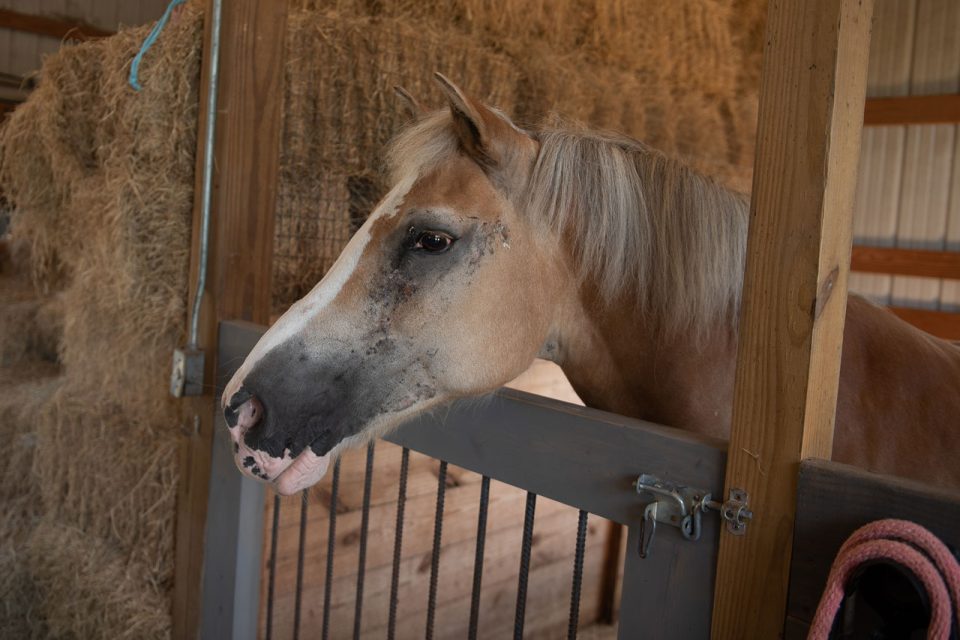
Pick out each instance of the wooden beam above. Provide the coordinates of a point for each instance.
(906, 262)
(938, 323)
(808, 141)
(246, 163)
(60, 28)
(912, 110)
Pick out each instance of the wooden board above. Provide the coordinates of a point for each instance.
(50, 26)
(936, 109)
(942, 324)
(808, 137)
(833, 500)
(241, 243)
(906, 262)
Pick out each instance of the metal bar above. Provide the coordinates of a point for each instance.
(207, 188)
(478, 558)
(272, 578)
(398, 544)
(364, 526)
(525, 547)
(577, 576)
(435, 556)
(331, 545)
(298, 597)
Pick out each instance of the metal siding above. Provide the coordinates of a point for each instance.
(881, 155)
(950, 293)
(908, 194)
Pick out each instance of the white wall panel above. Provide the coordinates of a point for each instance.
(927, 167)
(908, 193)
(950, 292)
(876, 206)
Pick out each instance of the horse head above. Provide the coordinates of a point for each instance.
(444, 292)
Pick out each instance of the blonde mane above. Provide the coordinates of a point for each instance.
(643, 226)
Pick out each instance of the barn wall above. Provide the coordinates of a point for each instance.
(908, 193)
(21, 53)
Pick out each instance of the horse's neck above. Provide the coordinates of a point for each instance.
(617, 363)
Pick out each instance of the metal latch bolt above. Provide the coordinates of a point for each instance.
(682, 507)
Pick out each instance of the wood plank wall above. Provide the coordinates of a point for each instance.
(21, 53)
(908, 193)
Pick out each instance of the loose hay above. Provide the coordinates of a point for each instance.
(102, 180)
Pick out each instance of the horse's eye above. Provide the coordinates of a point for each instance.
(434, 241)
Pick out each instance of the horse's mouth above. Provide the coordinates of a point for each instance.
(288, 475)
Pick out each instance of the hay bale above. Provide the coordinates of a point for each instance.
(75, 574)
(102, 182)
(23, 389)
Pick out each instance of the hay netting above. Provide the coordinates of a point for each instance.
(102, 180)
(340, 112)
(680, 75)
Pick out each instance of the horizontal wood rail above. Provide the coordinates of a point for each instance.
(942, 324)
(906, 262)
(54, 27)
(912, 110)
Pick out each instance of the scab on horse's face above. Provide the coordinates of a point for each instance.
(437, 296)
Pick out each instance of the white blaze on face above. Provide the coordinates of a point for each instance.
(298, 316)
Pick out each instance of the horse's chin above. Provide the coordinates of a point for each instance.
(306, 470)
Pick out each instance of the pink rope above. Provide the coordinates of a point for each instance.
(908, 544)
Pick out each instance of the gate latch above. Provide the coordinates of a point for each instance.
(682, 507)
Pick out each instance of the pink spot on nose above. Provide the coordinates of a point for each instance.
(249, 414)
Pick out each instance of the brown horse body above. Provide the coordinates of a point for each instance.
(621, 265)
(899, 398)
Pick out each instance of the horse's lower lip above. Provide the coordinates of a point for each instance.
(304, 471)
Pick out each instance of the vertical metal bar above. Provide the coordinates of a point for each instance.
(435, 557)
(574, 619)
(398, 544)
(271, 580)
(304, 497)
(525, 546)
(478, 558)
(331, 543)
(364, 526)
(206, 189)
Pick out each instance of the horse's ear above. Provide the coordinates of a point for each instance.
(413, 107)
(484, 134)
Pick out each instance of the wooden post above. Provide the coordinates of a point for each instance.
(246, 160)
(808, 141)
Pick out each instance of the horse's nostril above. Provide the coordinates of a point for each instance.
(249, 413)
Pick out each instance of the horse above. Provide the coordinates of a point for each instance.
(496, 245)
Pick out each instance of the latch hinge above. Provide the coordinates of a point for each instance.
(682, 507)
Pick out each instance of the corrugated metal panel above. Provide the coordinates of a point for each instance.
(929, 150)
(908, 189)
(878, 188)
(950, 294)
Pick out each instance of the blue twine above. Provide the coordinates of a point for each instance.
(154, 34)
